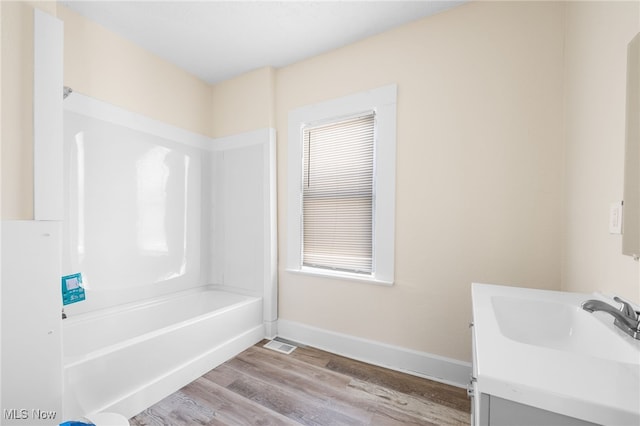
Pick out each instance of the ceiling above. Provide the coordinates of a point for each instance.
(217, 40)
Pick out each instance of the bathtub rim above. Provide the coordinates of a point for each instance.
(69, 361)
(150, 301)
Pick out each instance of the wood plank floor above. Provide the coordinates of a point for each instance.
(308, 387)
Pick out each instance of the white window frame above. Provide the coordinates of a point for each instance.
(383, 101)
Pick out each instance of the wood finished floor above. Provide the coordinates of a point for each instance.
(308, 387)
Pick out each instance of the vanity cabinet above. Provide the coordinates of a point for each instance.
(539, 359)
(502, 412)
(490, 410)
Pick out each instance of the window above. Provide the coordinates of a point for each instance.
(337, 195)
(342, 187)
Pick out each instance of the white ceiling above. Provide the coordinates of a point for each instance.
(217, 40)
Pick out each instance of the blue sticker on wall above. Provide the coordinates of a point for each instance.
(72, 289)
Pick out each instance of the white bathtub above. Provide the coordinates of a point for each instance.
(127, 358)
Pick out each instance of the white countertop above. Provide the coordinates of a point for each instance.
(586, 387)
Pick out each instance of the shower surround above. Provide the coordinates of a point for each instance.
(174, 234)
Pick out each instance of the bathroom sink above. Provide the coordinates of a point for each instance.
(563, 327)
(539, 348)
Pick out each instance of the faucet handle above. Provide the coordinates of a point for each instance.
(626, 308)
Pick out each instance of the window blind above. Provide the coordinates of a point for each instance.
(337, 195)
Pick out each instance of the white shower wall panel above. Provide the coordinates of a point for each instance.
(243, 230)
(240, 237)
(151, 209)
(243, 235)
(133, 212)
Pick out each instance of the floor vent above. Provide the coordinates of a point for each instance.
(281, 347)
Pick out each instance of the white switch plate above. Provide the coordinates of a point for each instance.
(615, 218)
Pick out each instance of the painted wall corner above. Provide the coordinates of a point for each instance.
(244, 103)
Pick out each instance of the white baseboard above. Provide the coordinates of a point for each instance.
(422, 364)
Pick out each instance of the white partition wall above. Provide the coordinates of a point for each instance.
(30, 306)
(47, 116)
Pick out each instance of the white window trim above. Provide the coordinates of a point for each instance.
(383, 101)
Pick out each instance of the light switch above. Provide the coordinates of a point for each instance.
(615, 218)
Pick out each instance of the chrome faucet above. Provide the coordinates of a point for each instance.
(627, 318)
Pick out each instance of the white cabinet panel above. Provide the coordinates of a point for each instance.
(502, 412)
(31, 323)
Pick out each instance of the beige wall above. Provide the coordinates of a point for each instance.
(244, 103)
(17, 110)
(597, 34)
(479, 169)
(97, 63)
(1, 122)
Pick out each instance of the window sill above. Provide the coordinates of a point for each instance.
(317, 272)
